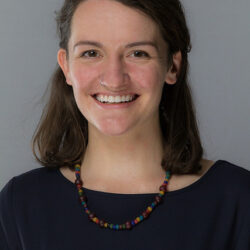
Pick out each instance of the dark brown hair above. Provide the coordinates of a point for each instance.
(61, 136)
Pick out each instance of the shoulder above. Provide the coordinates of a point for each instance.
(18, 198)
(28, 183)
(230, 170)
(231, 178)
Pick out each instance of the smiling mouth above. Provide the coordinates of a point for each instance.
(115, 102)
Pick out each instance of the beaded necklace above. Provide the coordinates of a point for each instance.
(129, 224)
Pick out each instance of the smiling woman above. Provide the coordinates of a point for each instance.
(129, 52)
(120, 143)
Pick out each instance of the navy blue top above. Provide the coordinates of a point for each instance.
(40, 210)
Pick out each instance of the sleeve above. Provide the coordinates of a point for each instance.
(8, 231)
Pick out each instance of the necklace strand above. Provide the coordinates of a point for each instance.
(129, 224)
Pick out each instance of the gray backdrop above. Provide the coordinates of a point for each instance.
(219, 74)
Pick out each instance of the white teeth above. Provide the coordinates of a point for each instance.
(114, 99)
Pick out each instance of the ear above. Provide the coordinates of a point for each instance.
(64, 65)
(173, 72)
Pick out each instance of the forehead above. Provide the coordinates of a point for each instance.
(111, 20)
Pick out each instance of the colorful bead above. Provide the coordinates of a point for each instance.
(101, 223)
(129, 224)
(78, 181)
(145, 214)
(91, 215)
(158, 198)
(95, 219)
(149, 209)
(154, 204)
(83, 198)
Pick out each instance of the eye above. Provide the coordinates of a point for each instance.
(89, 53)
(140, 53)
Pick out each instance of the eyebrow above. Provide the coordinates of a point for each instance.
(130, 45)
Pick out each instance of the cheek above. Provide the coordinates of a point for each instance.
(147, 78)
(83, 78)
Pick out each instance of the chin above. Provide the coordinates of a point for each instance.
(112, 128)
(113, 131)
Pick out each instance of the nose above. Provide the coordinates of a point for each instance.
(114, 75)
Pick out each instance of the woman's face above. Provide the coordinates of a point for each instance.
(122, 48)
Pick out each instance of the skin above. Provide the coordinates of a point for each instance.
(125, 145)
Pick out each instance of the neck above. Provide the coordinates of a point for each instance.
(135, 156)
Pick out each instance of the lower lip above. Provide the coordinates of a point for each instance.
(115, 105)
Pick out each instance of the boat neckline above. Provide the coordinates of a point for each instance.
(137, 195)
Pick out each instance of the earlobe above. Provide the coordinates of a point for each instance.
(173, 72)
(63, 63)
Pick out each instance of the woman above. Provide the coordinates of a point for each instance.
(120, 144)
